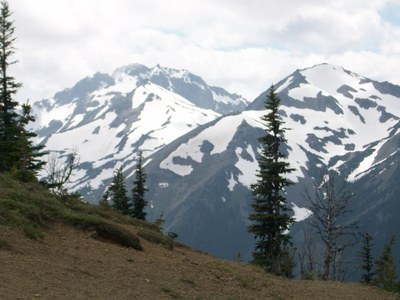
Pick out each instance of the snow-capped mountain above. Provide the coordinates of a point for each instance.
(185, 84)
(108, 119)
(200, 163)
(337, 119)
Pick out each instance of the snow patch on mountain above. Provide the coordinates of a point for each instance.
(369, 162)
(219, 135)
(231, 182)
(123, 84)
(285, 84)
(300, 213)
(305, 91)
(329, 78)
(333, 112)
(174, 116)
(53, 113)
(101, 178)
(79, 136)
(248, 166)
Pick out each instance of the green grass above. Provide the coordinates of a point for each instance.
(243, 281)
(27, 207)
(3, 244)
(30, 207)
(171, 292)
(189, 281)
(156, 237)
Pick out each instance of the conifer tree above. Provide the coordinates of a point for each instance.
(29, 154)
(160, 222)
(270, 214)
(367, 258)
(139, 189)
(16, 148)
(9, 127)
(104, 200)
(386, 272)
(118, 193)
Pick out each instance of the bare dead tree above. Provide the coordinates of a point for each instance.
(329, 206)
(310, 264)
(59, 170)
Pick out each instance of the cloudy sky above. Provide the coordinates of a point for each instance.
(241, 45)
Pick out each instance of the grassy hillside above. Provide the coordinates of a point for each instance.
(52, 248)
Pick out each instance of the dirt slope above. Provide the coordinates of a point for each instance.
(70, 264)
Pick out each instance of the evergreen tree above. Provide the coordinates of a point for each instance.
(139, 189)
(29, 154)
(160, 222)
(270, 214)
(104, 200)
(386, 272)
(16, 149)
(9, 127)
(118, 193)
(367, 258)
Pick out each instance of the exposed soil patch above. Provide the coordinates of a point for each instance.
(70, 264)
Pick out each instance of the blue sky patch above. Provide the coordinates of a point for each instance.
(391, 13)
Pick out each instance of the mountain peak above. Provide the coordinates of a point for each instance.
(183, 83)
(328, 98)
(324, 65)
(327, 67)
(330, 77)
(158, 69)
(131, 70)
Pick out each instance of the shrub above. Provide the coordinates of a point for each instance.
(3, 244)
(119, 235)
(104, 229)
(156, 237)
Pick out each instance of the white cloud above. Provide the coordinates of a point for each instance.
(243, 46)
